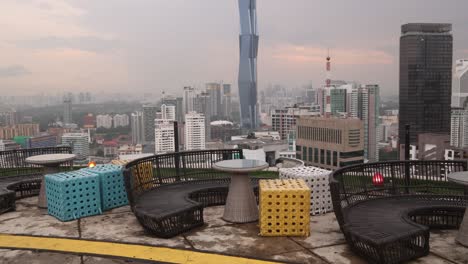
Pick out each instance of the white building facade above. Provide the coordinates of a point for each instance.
(194, 131)
(78, 142)
(458, 128)
(164, 140)
(121, 120)
(460, 83)
(104, 121)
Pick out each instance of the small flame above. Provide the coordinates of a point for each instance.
(91, 164)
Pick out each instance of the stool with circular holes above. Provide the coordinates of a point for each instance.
(284, 207)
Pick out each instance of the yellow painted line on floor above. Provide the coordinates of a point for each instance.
(77, 246)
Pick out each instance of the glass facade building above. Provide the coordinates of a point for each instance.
(425, 78)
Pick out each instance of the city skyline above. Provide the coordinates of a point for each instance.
(122, 51)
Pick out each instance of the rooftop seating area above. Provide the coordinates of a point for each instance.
(177, 203)
(390, 221)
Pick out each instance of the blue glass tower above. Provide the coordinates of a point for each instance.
(248, 48)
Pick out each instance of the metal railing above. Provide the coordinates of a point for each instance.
(12, 162)
(352, 184)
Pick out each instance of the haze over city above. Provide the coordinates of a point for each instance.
(151, 46)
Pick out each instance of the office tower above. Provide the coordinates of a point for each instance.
(179, 114)
(42, 141)
(369, 113)
(189, 95)
(337, 101)
(352, 105)
(67, 111)
(214, 89)
(168, 112)
(310, 95)
(425, 79)
(164, 136)
(104, 121)
(248, 48)
(201, 105)
(194, 131)
(330, 143)
(149, 114)
(227, 101)
(121, 120)
(78, 142)
(284, 120)
(460, 84)
(459, 128)
(137, 128)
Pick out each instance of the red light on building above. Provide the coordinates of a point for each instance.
(378, 179)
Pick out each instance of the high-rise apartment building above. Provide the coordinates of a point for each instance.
(425, 78)
(459, 128)
(189, 95)
(330, 143)
(104, 121)
(121, 120)
(9, 132)
(248, 49)
(460, 84)
(164, 140)
(227, 101)
(8, 117)
(167, 112)
(149, 114)
(202, 105)
(369, 113)
(67, 111)
(284, 120)
(194, 131)
(137, 127)
(79, 144)
(214, 90)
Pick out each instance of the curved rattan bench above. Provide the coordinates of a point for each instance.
(168, 192)
(390, 223)
(178, 207)
(19, 179)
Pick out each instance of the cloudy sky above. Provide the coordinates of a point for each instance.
(155, 45)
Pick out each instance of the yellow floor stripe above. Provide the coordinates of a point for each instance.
(120, 250)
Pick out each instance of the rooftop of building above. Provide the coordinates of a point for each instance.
(326, 243)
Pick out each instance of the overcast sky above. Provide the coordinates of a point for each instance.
(155, 45)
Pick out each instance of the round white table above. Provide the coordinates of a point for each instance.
(51, 164)
(241, 205)
(461, 178)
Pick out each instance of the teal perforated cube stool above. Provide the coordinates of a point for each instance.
(112, 190)
(72, 195)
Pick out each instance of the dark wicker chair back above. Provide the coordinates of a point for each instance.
(148, 173)
(352, 184)
(12, 162)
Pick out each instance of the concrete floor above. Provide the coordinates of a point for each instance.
(325, 245)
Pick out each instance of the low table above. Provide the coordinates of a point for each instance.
(241, 205)
(461, 178)
(51, 164)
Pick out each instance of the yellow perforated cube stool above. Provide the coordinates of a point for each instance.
(284, 207)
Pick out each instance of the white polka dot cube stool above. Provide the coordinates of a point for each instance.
(317, 180)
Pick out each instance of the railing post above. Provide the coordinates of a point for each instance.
(407, 158)
(176, 149)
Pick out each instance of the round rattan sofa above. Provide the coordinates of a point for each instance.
(19, 179)
(390, 222)
(167, 192)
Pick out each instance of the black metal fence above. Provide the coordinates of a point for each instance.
(352, 184)
(150, 172)
(12, 162)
